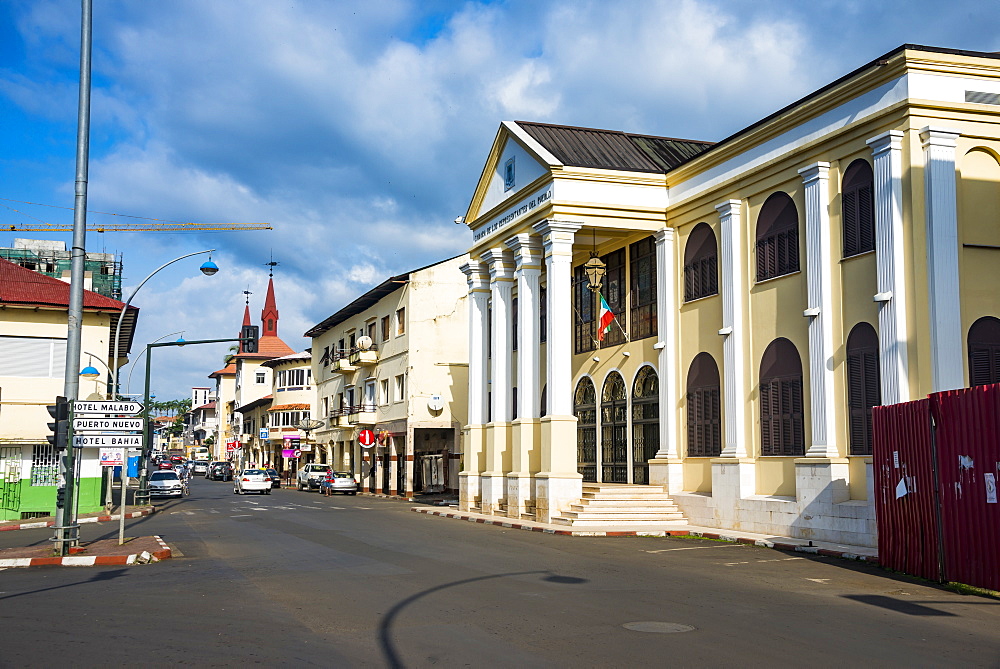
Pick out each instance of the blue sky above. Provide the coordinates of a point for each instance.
(358, 129)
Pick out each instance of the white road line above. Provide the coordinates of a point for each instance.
(694, 548)
(338, 508)
(821, 581)
(242, 515)
(733, 564)
(366, 508)
(213, 511)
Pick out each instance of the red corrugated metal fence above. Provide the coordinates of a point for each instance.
(935, 464)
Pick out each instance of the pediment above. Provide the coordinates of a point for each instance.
(515, 163)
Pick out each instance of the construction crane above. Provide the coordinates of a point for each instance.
(140, 224)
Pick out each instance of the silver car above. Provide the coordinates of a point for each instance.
(165, 483)
(339, 482)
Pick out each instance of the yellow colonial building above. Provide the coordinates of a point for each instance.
(767, 290)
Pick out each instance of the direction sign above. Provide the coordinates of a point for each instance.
(127, 408)
(112, 457)
(107, 424)
(366, 438)
(107, 440)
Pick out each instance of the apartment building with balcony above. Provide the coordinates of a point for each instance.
(394, 361)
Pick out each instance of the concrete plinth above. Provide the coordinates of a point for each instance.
(468, 490)
(667, 472)
(519, 486)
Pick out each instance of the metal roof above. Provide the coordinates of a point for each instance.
(612, 149)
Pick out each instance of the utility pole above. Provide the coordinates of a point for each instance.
(66, 529)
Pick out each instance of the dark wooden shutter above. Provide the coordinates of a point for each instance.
(864, 389)
(849, 215)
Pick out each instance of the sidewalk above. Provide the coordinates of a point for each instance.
(137, 550)
(96, 517)
(862, 553)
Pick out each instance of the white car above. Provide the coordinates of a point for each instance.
(256, 480)
(165, 483)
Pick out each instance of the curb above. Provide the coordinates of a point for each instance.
(93, 560)
(763, 543)
(92, 519)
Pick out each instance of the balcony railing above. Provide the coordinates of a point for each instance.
(361, 414)
(362, 357)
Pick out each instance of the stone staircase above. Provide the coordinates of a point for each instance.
(616, 504)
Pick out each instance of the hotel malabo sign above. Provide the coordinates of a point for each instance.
(512, 215)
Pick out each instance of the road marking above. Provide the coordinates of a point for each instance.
(242, 515)
(186, 513)
(733, 564)
(694, 548)
(821, 581)
(338, 508)
(366, 508)
(213, 511)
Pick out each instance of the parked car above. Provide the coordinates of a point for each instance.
(275, 477)
(199, 467)
(252, 480)
(219, 471)
(310, 476)
(339, 482)
(165, 484)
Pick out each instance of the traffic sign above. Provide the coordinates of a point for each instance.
(366, 438)
(232, 446)
(127, 408)
(112, 457)
(107, 424)
(297, 453)
(107, 440)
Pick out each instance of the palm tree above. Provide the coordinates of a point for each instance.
(233, 350)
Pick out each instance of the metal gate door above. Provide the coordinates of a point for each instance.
(10, 478)
(614, 431)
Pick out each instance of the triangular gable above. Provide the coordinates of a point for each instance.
(514, 154)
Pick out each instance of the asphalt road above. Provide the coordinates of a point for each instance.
(297, 578)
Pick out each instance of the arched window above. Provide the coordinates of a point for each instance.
(984, 351)
(701, 262)
(704, 415)
(863, 386)
(645, 423)
(781, 411)
(614, 430)
(858, 209)
(777, 237)
(585, 410)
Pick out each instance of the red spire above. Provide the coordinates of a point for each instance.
(269, 316)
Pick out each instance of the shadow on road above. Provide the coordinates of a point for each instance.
(899, 606)
(385, 629)
(108, 575)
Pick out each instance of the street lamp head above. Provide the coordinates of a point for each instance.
(181, 341)
(90, 372)
(209, 268)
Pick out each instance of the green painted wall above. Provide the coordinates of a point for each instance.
(35, 499)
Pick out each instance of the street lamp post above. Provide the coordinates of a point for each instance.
(208, 268)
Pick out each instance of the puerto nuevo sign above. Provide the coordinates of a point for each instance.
(107, 424)
(126, 408)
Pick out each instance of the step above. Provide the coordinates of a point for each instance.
(610, 523)
(650, 514)
(625, 496)
(629, 506)
(621, 487)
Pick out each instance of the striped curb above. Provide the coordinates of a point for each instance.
(92, 519)
(763, 543)
(92, 560)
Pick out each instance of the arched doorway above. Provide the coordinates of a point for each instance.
(614, 430)
(585, 410)
(645, 423)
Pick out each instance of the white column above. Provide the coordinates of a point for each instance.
(527, 272)
(666, 321)
(887, 154)
(733, 275)
(558, 484)
(819, 310)
(527, 251)
(477, 276)
(501, 266)
(474, 435)
(557, 239)
(947, 366)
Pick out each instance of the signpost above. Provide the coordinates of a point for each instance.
(366, 438)
(106, 425)
(105, 408)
